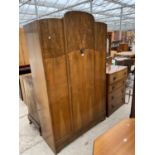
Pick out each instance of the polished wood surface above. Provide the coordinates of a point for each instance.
(67, 58)
(80, 57)
(115, 96)
(83, 23)
(114, 69)
(33, 38)
(126, 54)
(100, 70)
(23, 50)
(119, 140)
(56, 76)
(82, 88)
(114, 86)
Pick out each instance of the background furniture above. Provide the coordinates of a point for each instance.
(132, 114)
(123, 61)
(123, 47)
(23, 51)
(67, 59)
(22, 70)
(115, 45)
(109, 60)
(127, 54)
(119, 140)
(29, 99)
(115, 97)
(22, 88)
(24, 65)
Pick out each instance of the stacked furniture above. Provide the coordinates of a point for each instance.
(29, 99)
(123, 47)
(23, 51)
(67, 58)
(116, 77)
(24, 64)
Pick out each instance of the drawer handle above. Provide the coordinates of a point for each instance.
(82, 51)
(114, 78)
(112, 97)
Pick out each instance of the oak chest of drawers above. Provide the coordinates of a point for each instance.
(116, 77)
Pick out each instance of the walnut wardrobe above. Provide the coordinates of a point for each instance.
(67, 58)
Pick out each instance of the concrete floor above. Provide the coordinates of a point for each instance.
(31, 143)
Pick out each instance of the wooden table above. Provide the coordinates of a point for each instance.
(126, 54)
(119, 140)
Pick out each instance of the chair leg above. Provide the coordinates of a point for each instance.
(129, 96)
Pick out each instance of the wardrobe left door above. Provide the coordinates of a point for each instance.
(52, 39)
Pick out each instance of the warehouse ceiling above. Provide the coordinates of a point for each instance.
(118, 14)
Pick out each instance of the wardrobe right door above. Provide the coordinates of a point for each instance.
(79, 33)
(100, 70)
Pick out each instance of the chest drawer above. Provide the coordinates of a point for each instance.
(115, 104)
(116, 94)
(115, 99)
(116, 85)
(117, 76)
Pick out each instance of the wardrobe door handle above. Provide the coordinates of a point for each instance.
(82, 51)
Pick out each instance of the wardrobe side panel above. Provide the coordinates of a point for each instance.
(39, 81)
(100, 70)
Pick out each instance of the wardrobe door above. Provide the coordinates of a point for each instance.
(52, 38)
(79, 33)
(100, 70)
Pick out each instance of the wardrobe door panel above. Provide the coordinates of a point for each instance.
(79, 30)
(82, 87)
(52, 37)
(56, 75)
(100, 70)
(58, 95)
